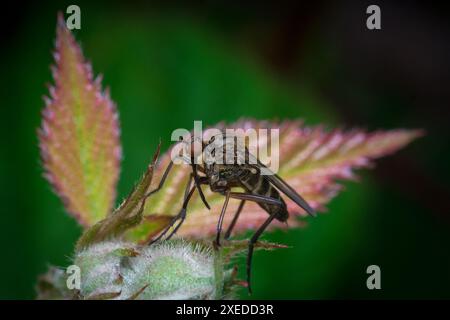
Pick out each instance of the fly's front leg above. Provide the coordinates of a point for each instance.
(182, 214)
(197, 184)
(163, 179)
(165, 174)
(255, 237)
(196, 176)
(187, 197)
(179, 215)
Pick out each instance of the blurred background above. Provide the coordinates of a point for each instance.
(168, 65)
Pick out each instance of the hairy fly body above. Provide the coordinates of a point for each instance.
(227, 166)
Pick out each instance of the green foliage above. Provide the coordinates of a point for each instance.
(176, 69)
(79, 149)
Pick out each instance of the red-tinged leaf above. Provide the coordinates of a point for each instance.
(311, 161)
(232, 247)
(79, 135)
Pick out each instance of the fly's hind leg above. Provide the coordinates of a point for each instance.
(222, 214)
(233, 222)
(255, 237)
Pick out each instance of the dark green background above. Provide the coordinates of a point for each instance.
(170, 65)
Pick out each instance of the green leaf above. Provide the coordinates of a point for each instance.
(79, 135)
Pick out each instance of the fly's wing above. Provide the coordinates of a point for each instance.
(281, 185)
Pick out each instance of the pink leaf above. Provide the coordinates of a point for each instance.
(79, 135)
(311, 161)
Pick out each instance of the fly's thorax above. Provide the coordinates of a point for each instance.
(224, 176)
(226, 149)
(254, 183)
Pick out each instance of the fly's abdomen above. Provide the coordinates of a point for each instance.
(257, 185)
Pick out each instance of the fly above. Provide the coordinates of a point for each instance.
(244, 171)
